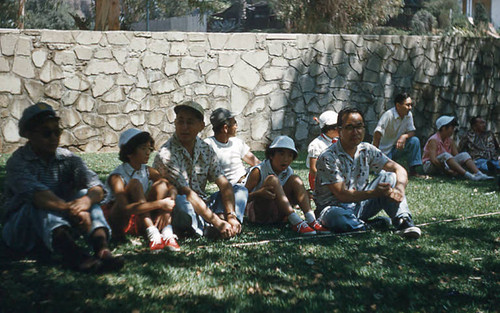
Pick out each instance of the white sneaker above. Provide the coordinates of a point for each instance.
(483, 176)
(471, 176)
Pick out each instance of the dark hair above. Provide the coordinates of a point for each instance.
(270, 152)
(453, 122)
(345, 112)
(327, 128)
(218, 129)
(39, 119)
(401, 97)
(133, 143)
(474, 120)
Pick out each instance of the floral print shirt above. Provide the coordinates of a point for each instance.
(480, 146)
(335, 165)
(175, 163)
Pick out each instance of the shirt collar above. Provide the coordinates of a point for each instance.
(30, 155)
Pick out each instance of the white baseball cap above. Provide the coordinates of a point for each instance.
(127, 135)
(444, 120)
(327, 118)
(283, 142)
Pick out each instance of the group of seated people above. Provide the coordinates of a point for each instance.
(51, 194)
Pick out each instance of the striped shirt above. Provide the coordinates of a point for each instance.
(64, 174)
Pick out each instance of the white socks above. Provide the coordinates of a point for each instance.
(294, 218)
(310, 217)
(154, 234)
(167, 232)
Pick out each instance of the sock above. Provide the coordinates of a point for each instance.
(310, 217)
(469, 175)
(167, 232)
(294, 218)
(153, 234)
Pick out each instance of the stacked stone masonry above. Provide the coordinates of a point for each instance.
(102, 83)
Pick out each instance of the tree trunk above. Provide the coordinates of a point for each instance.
(107, 13)
(20, 14)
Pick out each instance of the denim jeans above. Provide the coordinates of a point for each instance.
(482, 164)
(344, 217)
(24, 226)
(185, 218)
(412, 147)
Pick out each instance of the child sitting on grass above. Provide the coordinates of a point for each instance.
(274, 189)
(140, 200)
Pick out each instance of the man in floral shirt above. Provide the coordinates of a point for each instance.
(482, 146)
(188, 162)
(342, 193)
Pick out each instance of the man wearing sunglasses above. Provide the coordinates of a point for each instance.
(343, 193)
(50, 194)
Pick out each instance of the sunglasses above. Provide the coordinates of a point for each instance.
(47, 133)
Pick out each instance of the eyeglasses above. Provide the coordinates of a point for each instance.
(351, 127)
(47, 133)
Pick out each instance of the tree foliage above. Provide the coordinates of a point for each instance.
(423, 22)
(8, 14)
(334, 16)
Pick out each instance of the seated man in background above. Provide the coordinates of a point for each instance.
(395, 133)
(51, 193)
(482, 145)
(441, 153)
(343, 193)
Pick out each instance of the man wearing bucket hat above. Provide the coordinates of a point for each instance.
(441, 153)
(274, 189)
(343, 194)
(50, 193)
(189, 163)
(329, 134)
(140, 201)
(395, 133)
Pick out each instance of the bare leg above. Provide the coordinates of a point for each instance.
(454, 166)
(471, 166)
(297, 193)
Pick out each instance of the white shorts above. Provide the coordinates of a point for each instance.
(461, 158)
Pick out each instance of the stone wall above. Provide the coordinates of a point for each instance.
(104, 82)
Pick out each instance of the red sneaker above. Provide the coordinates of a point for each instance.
(320, 229)
(303, 229)
(171, 244)
(156, 244)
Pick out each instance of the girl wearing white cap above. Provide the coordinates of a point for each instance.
(441, 153)
(273, 189)
(139, 198)
(329, 134)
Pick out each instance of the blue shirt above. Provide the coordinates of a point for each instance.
(64, 175)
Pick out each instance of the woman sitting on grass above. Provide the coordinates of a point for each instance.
(273, 189)
(140, 198)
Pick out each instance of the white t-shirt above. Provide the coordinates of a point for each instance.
(392, 126)
(230, 157)
(318, 145)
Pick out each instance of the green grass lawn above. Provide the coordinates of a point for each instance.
(453, 267)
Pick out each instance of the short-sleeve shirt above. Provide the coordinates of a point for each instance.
(64, 174)
(335, 165)
(126, 173)
(175, 163)
(480, 146)
(230, 157)
(392, 126)
(318, 145)
(442, 146)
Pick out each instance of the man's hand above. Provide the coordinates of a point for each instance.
(226, 230)
(383, 190)
(400, 144)
(79, 205)
(397, 194)
(231, 219)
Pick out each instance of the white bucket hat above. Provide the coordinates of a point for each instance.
(127, 135)
(327, 118)
(444, 120)
(283, 142)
